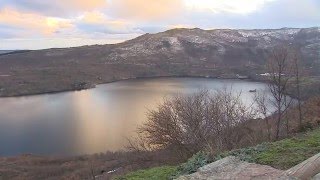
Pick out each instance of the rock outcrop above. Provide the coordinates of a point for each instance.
(307, 169)
(233, 168)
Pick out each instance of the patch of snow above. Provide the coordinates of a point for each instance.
(175, 43)
(229, 36)
(279, 34)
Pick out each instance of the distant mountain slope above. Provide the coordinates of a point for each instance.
(180, 52)
(5, 51)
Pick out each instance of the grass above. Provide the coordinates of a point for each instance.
(158, 173)
(290, 152)
(282, 154)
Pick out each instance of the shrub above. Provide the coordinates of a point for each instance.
(194, 163)
(245, 154)
(198, 121)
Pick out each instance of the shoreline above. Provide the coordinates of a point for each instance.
(200, 78)
(92, 86)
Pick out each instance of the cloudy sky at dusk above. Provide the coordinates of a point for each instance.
(37, 24)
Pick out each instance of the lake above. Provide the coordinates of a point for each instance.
(94, 120)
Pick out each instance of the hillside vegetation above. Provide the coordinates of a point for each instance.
(179, 52)
(282, 154)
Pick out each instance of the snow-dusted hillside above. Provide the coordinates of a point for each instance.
(220, 47)
(176, 52)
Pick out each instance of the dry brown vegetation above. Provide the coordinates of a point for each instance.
(311, 118)
(280, 73)
(204, 120)
(41, 167)
(213, 54)
(285, 71)
(219, 121)
(182, 125)
(83, 167)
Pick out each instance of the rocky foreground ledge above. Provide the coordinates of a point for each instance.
(233, 168)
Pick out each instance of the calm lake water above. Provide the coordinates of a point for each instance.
(95, 120)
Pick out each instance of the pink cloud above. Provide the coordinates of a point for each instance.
(33, 23)
(146, 10)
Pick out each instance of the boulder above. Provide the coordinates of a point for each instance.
(233, 168)
(307, 169)
(316, 177)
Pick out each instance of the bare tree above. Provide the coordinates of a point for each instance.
(194, 122)
(231, 114)
(261, 100)
(279, 70)
(297, 74)
(92, 173)
(137, 144)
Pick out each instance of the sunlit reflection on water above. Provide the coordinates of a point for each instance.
(95, 120)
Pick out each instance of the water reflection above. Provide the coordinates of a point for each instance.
(95, 120)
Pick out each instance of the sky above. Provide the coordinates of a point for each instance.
(40, 24)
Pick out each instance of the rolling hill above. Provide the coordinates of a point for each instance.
(176, 52)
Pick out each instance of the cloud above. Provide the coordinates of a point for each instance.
(229, 6)
(32, 23)
(145, 10)
(79, 21)
(7, 32)
(273, 14)
(100, 23)
(42, 43)
(56, 8)
(174, 26)
(292, 11)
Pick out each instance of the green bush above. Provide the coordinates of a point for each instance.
(282, 154)
(194, 163)
(245, 154)
(290, 152)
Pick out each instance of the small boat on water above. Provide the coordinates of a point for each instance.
(253, 90)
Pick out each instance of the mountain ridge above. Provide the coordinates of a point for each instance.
(175, 52)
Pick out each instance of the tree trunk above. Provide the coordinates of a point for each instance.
(268, 129)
